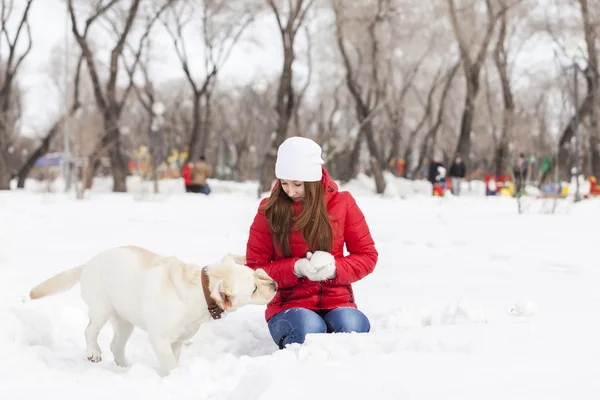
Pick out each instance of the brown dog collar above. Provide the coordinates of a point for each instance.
(213, 308)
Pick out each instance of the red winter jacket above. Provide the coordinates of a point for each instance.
(187, 174)
(349, 228)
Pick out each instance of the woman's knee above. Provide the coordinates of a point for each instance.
(292, 326)
(347, 319)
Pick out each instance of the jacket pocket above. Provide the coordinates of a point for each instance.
(285, 295)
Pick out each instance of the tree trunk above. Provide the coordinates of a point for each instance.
(4, 172)
(564, 145)
(37, 153)
(508, 116)
(206, 124)
(45, 144)
(11, 64)
(4, 168)
(90, 171)
(196, 129)
(375, 159)
(594, 139)
(396, 141)
(353, 160)
(377, 175)
(472, 67)
(595, 153)
(109, 143)
(430, 138)
(267, 171)
(118, 167)
(464, 140)
(422, 155)
(501, 153)
(591, 39)
(501, 158)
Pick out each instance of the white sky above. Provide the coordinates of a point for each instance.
(248, 61)
(43, 101)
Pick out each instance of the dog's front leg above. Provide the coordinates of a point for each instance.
(164, 353)
(176, 347)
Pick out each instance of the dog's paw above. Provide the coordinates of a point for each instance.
(94, 356)
(121, 362)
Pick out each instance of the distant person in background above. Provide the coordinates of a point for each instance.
(195, 174)
(457, 174)
(186, 173)
(520, 174)
(201, 171)
(437, 172)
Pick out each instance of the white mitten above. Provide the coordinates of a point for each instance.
(327, 272)
(320, 259)
(322, 266)
(302, 267)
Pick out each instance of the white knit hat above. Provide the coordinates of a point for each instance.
(299, 159)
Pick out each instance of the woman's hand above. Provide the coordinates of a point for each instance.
(322, 266)
(302, 267)
(317, 266)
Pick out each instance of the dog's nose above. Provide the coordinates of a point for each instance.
(274, 285)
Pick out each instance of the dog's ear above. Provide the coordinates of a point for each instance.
(240, 259)
(237, 259)
(262, 274)
(218, 295)
(216, 291)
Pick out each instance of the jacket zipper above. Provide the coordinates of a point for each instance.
(285, 295)
(320, 305)
(350, 294)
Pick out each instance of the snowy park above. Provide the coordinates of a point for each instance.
(466, 132)
(469, 300)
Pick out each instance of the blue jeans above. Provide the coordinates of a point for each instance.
(196, 188)
(292, 326)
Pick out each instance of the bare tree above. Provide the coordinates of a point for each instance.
(176, 97)
(106, 100)
(289, 21)
(242, 118)
(565, 156)
(429, 140)
(307, 82)
(147, 97)
(427, 111)
(11, 62)
(366, 89)
(327, 115)
(472, 64)
(44, 146)
(395, 107)
(508, 116)
(222, 26)
(589, 30)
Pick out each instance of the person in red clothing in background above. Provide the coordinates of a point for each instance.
(298, 237)
(186, 173)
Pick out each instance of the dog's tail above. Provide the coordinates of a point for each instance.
(60, 282)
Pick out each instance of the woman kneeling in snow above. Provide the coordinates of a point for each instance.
(298, 237)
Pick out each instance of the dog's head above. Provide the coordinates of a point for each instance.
(232, 284)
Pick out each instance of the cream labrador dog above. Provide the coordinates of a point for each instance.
(164, 296)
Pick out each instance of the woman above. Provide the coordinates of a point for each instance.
(298, 237)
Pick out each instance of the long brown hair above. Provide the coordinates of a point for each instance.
(312, 222)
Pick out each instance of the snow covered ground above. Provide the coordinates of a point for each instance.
(470, 300)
